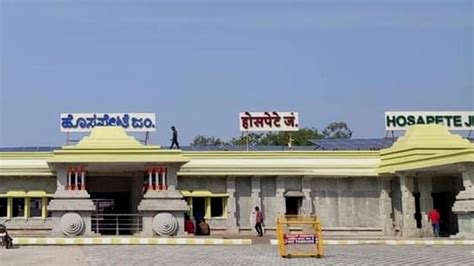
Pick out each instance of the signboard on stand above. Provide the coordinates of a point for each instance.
(268, 121)
(85, 122)
(452, 120)
(300, 239)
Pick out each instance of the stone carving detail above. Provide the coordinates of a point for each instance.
(165, 224)
(72, 224)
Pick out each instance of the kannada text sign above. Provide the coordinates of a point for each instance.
(85, 122)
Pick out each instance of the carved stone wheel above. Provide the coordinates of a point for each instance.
(72, 224)
(165, 224)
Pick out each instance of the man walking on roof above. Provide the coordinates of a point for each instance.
(174, 139)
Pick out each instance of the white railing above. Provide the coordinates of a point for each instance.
(117, 224)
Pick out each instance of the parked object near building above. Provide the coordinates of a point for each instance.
(299, 236)
(5, 240)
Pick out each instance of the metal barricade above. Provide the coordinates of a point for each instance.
(117, 224)
(299, 236)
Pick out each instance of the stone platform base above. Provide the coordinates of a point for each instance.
(126, 241)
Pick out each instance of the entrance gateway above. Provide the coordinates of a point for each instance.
(109, 183)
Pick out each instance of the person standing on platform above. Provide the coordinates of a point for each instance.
(204, 228)
(174, 139)
(188, 224)
(258, 221)
(434, 218)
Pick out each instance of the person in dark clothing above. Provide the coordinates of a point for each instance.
(204, 228)
(174, 140)
(198, 216)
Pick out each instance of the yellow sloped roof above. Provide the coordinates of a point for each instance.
(425, 146)
(112, 144)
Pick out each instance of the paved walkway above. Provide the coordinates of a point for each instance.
(260, 254)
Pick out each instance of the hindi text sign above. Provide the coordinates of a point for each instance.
(268, 121)
(300, 239)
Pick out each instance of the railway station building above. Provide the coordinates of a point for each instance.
(110, 183)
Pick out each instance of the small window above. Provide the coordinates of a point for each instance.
(3, 207)
(36, 205)
(49, 213)
(18, 208)
(217, 207)
(199, 208)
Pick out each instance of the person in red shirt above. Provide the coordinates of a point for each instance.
(188, 225)
(434, 218)
(258, 221)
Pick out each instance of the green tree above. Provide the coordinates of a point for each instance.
(206, 141)
(337, 130)
(253, 138)
(301, 137)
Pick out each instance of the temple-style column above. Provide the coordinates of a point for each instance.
(83, 180)
(150, 179)
(307, 207)
(464, 205)
(71, 208)
(426, 203)
(163, 210)
(231, 206)
(280, 195)
(171, 177)
(385, 205)
(408, 205)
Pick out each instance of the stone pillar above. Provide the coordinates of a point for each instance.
(256, 199)
(71, 209)
(280, 195)
(385, 205)
(231, 206)
(163, 210)
(307, 207)
(408, 205)
(426, 203)
(163, 213)
(172, 176)
(464, 205)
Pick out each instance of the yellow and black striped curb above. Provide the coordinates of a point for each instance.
(391, 242)
(127, 241)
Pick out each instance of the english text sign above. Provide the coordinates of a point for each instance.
(452, 120)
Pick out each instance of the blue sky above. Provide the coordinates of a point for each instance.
(197, 64)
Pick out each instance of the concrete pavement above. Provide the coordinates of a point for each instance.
(259, 254)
